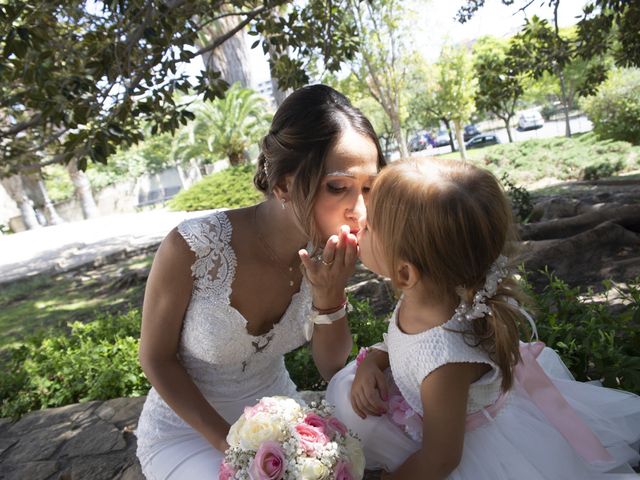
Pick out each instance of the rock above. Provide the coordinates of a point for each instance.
(555, 207)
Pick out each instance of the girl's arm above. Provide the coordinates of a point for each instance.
(444, 394)
(331, 344)
(166, 298)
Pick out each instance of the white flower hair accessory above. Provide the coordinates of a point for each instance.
(498, 271)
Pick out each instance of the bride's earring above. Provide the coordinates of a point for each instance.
(283, 201)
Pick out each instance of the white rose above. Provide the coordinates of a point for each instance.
(356, 456)
(312, 469)
(260, 428)
(233, 437)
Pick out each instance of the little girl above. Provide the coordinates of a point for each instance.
(471, 401)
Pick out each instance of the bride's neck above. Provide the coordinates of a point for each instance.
(277, 227)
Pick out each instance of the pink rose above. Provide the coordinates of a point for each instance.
(263, 405)
(361, 355)
(310, 437)
(226, 472)
(336, 426)
(343, 471)
(317, 421)
(268, 464)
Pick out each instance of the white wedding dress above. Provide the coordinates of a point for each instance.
(232, 368)
(514, 441)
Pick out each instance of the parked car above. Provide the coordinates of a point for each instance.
(420, 141)
(442, 138)
(470, 131)
(482, 140)
(530, 120)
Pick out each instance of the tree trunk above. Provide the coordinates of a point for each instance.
(508, 127)
(235, 158)
(49, 210)
(460, 138)
(565, 104)
(83, 190)
(15, 188)
(231, 58)
(397, 132)
(448, 125)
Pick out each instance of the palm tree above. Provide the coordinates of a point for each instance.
(227, 126)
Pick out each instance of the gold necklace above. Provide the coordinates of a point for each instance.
(270, 251)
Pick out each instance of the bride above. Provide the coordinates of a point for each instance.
(229, 294)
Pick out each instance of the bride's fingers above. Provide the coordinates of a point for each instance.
(351, 250)
(305, 259)
(341, 245)
(329, 252)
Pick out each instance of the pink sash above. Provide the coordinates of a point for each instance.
(544, 394)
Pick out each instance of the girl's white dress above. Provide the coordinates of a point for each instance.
(507, 436)
(232, 368)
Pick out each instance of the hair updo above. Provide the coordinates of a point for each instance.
(303, 130)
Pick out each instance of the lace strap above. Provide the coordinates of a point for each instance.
(210, 239)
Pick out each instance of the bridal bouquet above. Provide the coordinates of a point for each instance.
(279, 439)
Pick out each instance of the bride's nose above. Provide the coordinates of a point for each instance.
(358, 210)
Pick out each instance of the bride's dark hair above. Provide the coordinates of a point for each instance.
(307, 124)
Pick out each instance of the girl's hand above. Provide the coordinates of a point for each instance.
(369, 391)
(328, 275)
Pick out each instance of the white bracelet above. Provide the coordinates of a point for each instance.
(317, 318)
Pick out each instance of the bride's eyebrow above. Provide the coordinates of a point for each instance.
(339, 173)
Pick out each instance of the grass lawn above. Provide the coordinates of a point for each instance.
(36, 305)
(534, 163)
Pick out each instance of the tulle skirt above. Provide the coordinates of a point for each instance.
(519, 443)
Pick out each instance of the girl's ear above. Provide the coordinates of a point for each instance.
(407, 275)
(282, 189)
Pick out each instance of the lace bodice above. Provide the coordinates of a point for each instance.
(226, 362)
(413, 357)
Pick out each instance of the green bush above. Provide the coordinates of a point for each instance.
(615, 109)
(595, 341)
(95, 361)
(602, 170)
(229, 188)
(520, 199)
(366, 329)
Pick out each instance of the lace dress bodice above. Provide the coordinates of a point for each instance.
(414, 356)
(228, 364)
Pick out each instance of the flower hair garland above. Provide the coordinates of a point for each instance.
(498, 271)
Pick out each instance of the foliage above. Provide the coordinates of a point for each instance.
(559, 158)
(366, 329)
(378, 67)
(594, 341)
(602, 170)
(606, 26)
(226, 126)
(79, 78)
(95, 361)
(499, 80)
(229, 188)
(520, 198)
(615, 109)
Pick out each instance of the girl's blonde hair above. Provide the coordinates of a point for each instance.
(451, 220)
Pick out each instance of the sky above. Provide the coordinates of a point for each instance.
(435, 25)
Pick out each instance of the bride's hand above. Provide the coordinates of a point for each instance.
(328, 274)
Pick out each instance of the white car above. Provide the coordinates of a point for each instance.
(530, 120)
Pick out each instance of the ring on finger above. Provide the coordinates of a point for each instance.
(328, 264)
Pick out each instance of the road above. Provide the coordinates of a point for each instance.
(550, 129)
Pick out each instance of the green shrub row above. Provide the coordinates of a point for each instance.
(229, 188)
(99, 360)
(94, 361)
